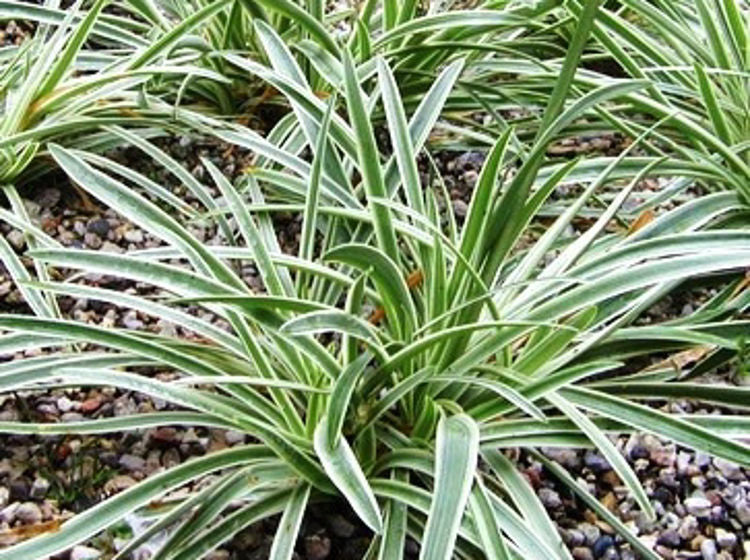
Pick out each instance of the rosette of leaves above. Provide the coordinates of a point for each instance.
(76, 75)
(391, 360)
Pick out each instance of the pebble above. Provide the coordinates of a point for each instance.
(119, 483)
(670, 538)
(48, 197)
(742, 511)
(341, 526)
(84, 553)
(573, 537)
(170, 458)
(132, 462)
(4, 496)
(582, 553)
(16, 238)
(725, 539)
(131, 321)
(19, 489)
(317, 547)
(39, 488)
(92, 240)
(596, 462)
(99, 227)
(590, 532)
(165, 435)
(708, 549)
(567, 457)
(234, 437)
(460, 208)
(90, 405)
(133, 236)
(29, 513)
(731, 471)
(700, 507)
(8, 513)
(602, 544)
(689, 528)
(549, 498)
(64, 404)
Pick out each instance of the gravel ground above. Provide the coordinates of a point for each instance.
(702, 504)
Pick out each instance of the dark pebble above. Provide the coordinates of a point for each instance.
(663, 495)
(639, 452)
(596, 462)
(19, 490)
(670, 538)
(601, 545)
(100, 227)
(340, 526)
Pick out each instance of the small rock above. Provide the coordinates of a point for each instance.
(688, 528)
(19, 489)
(601, 545)
(16, 238)
(90, 405)
(730, 470)
(132, 462)
(8, 513)
(84, 553)
(92, 240)
(133, 236)
(460, 208)
(708, 549)
(590, 532)
(118, 484)
(702, 460)
(700, 507)
(664, 552)
(663, 495)
(639, 452)
(470, 178)
(39, 488)
(64, 404)
(573, 537)
(340, 526)
(164, 436)
(99, 227)
(317, 548)
(233, 437)
(170, 458)
(29, 513)
(549, 498)
(725, 539)
(582, 553)
(48, 197)
(663, 455)
(567, 457)
(4, 496)
(596, 462)
(742, 511)
(670, 538)
(131, 321)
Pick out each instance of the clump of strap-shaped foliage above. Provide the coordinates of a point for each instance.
(398, 349)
